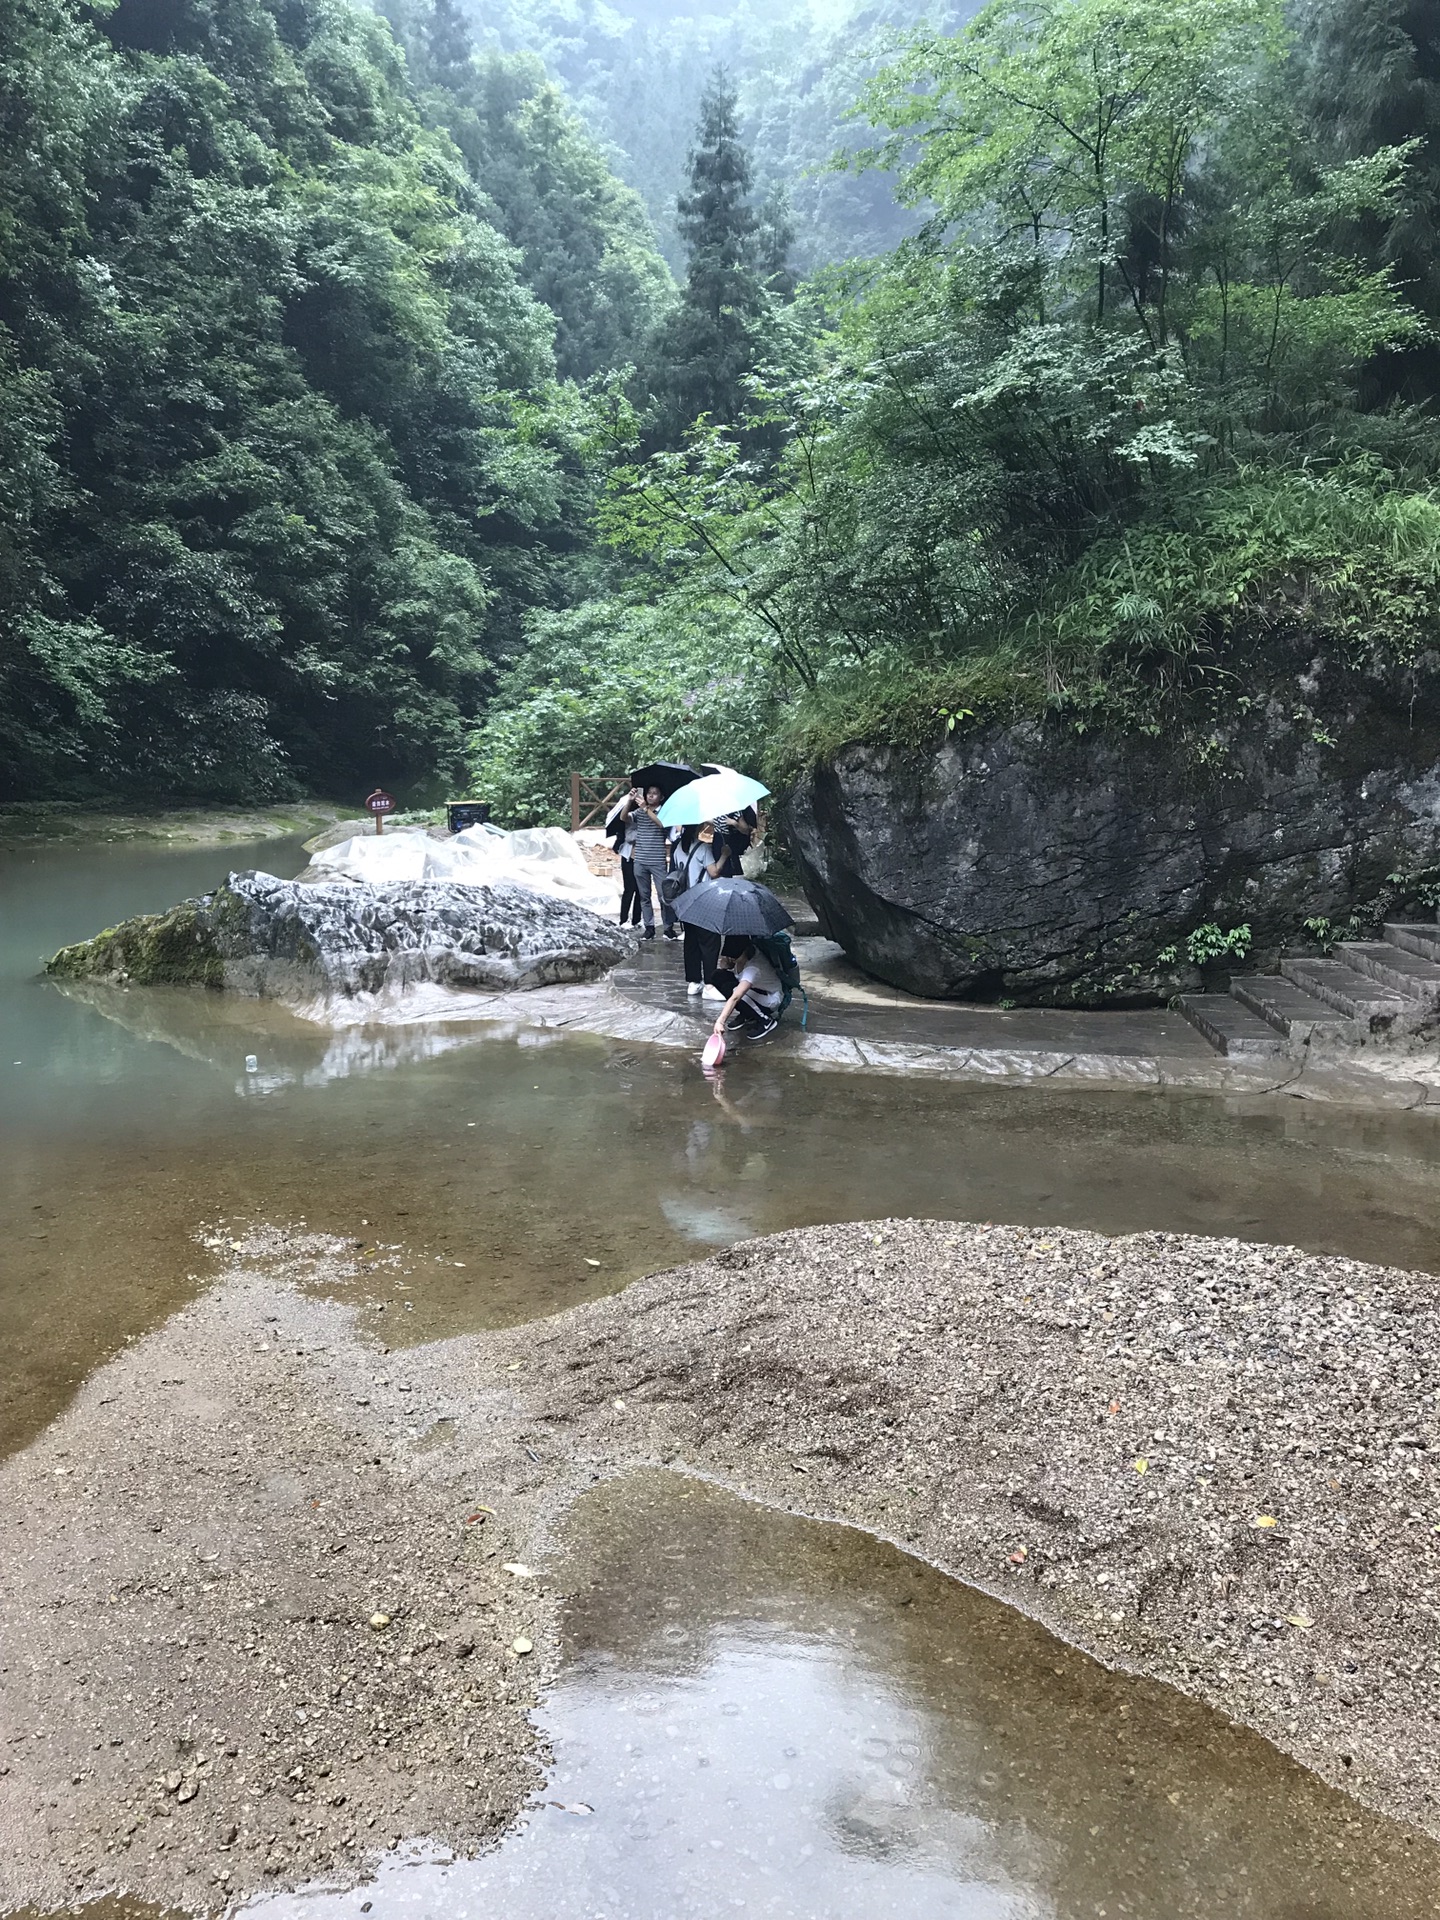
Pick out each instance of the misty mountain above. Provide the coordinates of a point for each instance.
(636, 72)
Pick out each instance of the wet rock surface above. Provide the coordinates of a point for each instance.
(1033, 862)
(267, 1564)
(297, 941)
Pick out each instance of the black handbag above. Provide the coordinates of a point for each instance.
(673, 884)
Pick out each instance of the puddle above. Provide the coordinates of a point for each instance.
(772, 1717)
(501, 1165)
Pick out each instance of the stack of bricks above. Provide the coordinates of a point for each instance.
(600, 855)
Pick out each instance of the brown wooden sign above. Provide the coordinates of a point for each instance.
(379, 803)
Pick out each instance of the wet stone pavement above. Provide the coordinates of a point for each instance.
(846, 1004)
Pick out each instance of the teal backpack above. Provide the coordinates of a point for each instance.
(776, 948)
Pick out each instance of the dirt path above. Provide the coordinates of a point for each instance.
(1207, 1461)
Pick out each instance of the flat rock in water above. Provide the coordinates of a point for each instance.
(279, 939)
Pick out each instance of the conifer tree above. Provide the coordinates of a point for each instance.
(707, 346)
(448, 45)
(774, 237)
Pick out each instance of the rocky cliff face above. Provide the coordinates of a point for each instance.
(1031, 862)
(285, 940)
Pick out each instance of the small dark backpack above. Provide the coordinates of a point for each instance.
(776, 948)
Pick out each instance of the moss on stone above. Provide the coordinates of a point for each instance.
(177, 948)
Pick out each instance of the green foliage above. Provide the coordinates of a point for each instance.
(1369, 80)
(1110, 420)
(1074, 119)
(1119, 437)
(1344, 563)
(615, 683)
(587, 247)
(284, 460)
(1206, 944)
(1262, 584)
(707, 348)
(636, 73)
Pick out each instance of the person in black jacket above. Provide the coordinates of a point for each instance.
(620, 831)
(706, 857)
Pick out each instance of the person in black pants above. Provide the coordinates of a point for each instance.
(706, 859)
(753, 989)
(620, 832)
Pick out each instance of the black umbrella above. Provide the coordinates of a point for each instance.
(668, 775)
(733, 907)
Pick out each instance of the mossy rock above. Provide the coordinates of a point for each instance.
(177, 949)
(285, 939)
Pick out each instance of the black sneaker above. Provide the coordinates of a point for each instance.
(672, 933)
(647, 933)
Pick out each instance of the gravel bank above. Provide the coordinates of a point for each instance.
(33, 823)
(1208, 1461)
(254, 1612)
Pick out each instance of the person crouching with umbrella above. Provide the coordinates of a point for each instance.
(741, 911)
(753, 986)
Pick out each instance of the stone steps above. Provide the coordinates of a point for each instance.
(1354, 995)
(1286, 1007)
(1396, 969)
(1365, 990)
(1230, 1027)
(1423, 939)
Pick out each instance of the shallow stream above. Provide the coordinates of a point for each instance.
(947, 1757)
(766, 1716)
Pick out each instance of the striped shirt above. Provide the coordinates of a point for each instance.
(649, 842)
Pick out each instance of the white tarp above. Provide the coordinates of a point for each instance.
(544, 859)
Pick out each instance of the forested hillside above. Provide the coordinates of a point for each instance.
(587, 246)
(285, 463)
(636, 70)
(1140, 430)
(352, 425)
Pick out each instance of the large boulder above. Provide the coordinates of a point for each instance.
(1027, 861)
(286, 940)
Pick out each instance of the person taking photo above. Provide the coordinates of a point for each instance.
(650, 859)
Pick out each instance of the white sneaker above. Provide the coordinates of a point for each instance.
(707, 992)
(692, 987)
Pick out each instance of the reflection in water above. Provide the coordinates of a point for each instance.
(224, 1033)
(767, 1716)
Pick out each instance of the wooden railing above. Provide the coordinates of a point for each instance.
(592, 795)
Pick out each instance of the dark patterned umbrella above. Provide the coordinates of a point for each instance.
(733, 907)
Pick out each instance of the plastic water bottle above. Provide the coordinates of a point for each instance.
(252, 1063)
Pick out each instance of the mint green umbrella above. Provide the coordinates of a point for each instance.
(710, 796)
